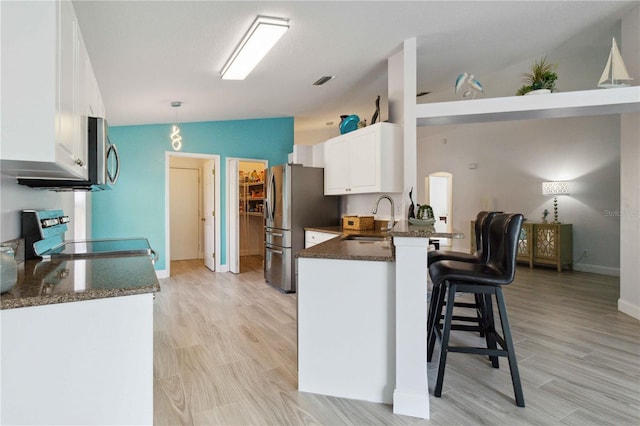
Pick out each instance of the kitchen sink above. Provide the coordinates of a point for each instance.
(367, 237)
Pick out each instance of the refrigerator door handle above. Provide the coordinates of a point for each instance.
(272, 194)
(267, 201)
(274, 251)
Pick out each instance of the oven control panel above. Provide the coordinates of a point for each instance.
(43, 230)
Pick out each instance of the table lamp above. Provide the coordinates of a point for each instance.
(554, 189)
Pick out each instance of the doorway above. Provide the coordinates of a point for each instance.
(439, 195)
(246, 192)
(191, 194)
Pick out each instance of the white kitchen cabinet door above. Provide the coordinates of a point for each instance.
(93, 104)
(43, 65)
(312, 238)
(336, 166)
(364, 161)
(68, 74)
(364, 164)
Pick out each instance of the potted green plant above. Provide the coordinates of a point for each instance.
(542, 77)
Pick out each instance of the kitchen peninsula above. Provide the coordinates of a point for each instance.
(360, 335)
(77, 342)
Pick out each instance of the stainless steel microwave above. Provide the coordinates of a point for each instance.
(103, 164)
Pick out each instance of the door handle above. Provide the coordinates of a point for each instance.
(274, 251)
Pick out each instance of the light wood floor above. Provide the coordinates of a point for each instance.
(225, 353)
(251, 263)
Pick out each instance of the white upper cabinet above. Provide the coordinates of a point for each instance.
(47, 81)
(364, 161)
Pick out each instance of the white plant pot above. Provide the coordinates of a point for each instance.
(538, 92)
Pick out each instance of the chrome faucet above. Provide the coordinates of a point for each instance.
(375, 209)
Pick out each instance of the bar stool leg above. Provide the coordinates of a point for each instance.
(444, 343)
(480, 309)
(437, 302)
(513, 363)
(431, 317)
(489, 327)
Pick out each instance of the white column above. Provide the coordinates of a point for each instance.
(411, 394)
(629, 301)
(402, 84)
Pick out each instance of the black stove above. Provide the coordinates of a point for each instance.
(43, 231)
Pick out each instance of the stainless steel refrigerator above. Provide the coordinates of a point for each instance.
(294, 200)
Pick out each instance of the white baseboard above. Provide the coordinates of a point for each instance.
(222, 268)
(596, 269)
(629, 309)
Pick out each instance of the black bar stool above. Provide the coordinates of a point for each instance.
(485, 280)
(483, 220)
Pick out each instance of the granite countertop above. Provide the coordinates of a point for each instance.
(345, 249)
(339, 230)
(405, 229)
(43, 282)
(383, 250)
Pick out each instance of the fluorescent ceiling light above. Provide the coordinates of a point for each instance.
(261, 37)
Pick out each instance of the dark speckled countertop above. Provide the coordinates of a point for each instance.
(345, 249)
(382, 251)
(405, 229)
(341, 248)
(60, 281)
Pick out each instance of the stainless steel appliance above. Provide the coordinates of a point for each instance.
(294, 199)
(103, 163)
(43, 232)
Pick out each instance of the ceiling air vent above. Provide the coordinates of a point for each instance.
(322, 80)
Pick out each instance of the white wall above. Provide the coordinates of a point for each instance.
(14, 198)
(514, 158)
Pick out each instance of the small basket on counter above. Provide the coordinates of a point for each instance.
(358, 223)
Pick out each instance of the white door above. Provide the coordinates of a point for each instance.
(233, 215)
(184, 189)
(209, 215)
(439, 193)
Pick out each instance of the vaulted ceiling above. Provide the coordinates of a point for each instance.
(147, 54)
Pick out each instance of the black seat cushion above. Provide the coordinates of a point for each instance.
(480, 273)
(439, 255)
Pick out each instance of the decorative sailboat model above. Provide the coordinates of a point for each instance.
(615, 73)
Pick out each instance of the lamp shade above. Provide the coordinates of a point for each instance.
(555, 188)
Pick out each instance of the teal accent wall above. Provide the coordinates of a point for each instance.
(135, 207)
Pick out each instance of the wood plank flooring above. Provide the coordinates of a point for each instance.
(225, 353)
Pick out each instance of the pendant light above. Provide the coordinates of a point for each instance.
(176, 138)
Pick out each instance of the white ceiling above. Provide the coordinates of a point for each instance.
(147, 54)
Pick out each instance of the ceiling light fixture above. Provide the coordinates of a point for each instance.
(176, 138)
(324, 79)
(256, 43)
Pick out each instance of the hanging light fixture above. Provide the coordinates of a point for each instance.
(176, 138)
(261, 37)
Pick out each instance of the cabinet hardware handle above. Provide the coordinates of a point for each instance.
(79, 162)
